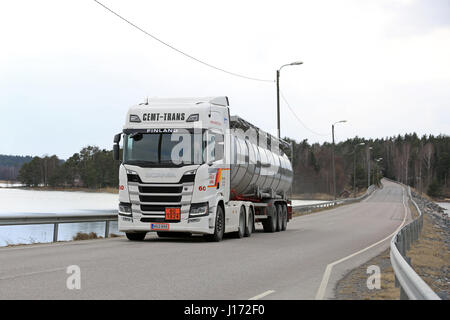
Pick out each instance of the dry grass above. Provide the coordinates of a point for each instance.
(430, 256)
(113, 235)
(354, 284)
(413, 210)
(85, 236)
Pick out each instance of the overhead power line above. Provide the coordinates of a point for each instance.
(178, 50)
(299, 120)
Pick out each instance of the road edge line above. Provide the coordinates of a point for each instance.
(262, 295)
(326, 276)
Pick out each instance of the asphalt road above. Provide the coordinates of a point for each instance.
(283, 265)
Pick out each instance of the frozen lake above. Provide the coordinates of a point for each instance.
(18, 201)
(10, 185)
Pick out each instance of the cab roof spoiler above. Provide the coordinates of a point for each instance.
(218, 101)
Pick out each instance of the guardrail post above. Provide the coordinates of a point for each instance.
(405, 242)
(55, 232)
(416, 230)
(403, 295)
(106, 228)
(408, 237)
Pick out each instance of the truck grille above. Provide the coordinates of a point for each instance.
(157, 208)
(164, 199)
(160, 189)
(151, 199)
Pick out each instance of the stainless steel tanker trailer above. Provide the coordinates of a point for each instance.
(189, 168)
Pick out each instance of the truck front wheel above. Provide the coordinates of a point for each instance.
(219, 227)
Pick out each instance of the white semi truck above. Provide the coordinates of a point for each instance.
(189, 168)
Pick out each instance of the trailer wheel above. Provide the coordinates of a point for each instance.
(241, 231)
(136, 236)
(285, 216)
(219, 227)
(270, 224)
(279, 217)
(250, 225)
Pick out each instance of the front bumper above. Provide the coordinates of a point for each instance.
(200, 225)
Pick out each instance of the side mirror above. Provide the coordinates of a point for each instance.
(117, 138)
(116, 149)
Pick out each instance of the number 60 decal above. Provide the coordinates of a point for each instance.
(201, 188)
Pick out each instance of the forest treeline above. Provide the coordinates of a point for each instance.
(422, 162)
(90, 168)
(10, 166)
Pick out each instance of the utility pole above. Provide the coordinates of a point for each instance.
(278, 92)
(278, 103)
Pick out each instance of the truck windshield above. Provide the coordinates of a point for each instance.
(183, 147)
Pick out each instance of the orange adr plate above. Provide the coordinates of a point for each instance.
(173, 214)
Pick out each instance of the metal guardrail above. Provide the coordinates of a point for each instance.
(310, 207)
(57, 218)
(411, 284)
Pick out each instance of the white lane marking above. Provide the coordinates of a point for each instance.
(326, 276)
(31, 273)
(262, 295)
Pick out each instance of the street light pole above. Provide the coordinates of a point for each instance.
(354, 167)
(377, 169)
(368, 167)
(332, 152)
(278, 92)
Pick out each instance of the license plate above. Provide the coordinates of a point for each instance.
(160, 226)
(173, 214)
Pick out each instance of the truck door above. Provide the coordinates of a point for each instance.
(218, 169)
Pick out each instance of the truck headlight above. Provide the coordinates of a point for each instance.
(125, 209)
(199, 209)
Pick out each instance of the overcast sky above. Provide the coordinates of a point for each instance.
(69, 70)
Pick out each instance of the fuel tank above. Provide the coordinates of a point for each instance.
(256, 163)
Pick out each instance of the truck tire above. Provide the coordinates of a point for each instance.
(219, 227)
(285, 216)
(241, 232)
(136, 236)
(279, 217)
(250, 225)
(270, 224)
